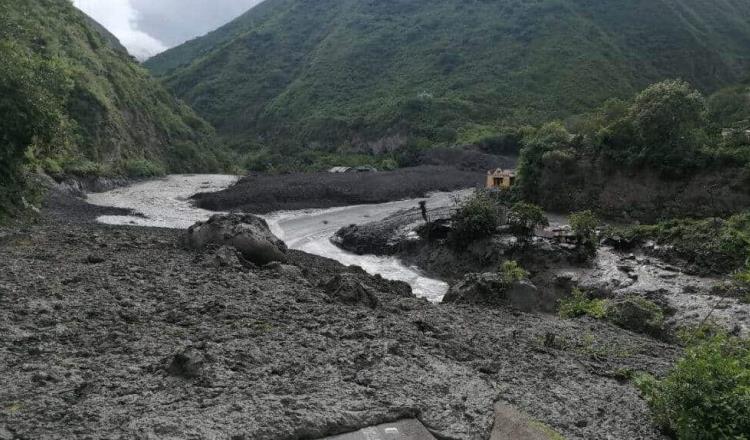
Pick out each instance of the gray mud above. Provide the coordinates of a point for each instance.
(118, 332)
(265, 193)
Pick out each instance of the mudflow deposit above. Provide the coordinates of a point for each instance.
(139, 332)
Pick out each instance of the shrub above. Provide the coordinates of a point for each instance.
(578, 304)
(477, 217)
(584, 225)
(84, 168)
(143, 168)
(707, 394)
(525, 217)
(51, 166)
(511, 271)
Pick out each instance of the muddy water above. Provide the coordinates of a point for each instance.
(311, 231)
(165, 203)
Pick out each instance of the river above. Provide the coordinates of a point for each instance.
(165, 203)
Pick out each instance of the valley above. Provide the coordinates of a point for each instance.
(375, 220)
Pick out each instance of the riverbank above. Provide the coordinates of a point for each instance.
(119, 331)
(687, 297)
(265, 193)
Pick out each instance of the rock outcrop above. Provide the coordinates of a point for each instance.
(493, 290)
(348, 289)
(249, 234)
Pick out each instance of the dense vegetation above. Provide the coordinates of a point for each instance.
(72, 101)
(706, 395)
(667, 132)
(373, 76)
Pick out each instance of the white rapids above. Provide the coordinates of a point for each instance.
(165, 203)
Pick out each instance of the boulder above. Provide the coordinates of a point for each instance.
(637, 314)
(249, 234)
(187, 364)
(348, 289)
(491, 289)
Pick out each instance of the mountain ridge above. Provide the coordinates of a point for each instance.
(345, 74)
(116, 111)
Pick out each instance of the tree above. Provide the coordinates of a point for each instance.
(584, 225)
(525, 217)
(477, 217)
(668, 118)
(550, 137)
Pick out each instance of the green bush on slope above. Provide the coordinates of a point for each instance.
(32, 116)
(707, 394)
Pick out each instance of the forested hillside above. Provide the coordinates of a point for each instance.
(375, 75)
(73, 101)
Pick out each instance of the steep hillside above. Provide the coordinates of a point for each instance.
(101, 112)
(372, 74)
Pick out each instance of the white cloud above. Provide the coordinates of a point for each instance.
(120, 18)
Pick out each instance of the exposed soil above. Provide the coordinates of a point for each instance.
(264, 193)
(644, 196)
(118, 332)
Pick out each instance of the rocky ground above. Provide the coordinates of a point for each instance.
(687, 298)
(118, 332)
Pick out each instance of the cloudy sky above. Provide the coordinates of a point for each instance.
(147, 27)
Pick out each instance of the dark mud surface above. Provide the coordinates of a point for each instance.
(117, 332)
(264, 193)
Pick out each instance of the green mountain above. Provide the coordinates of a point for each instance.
(370, 75)
(74, 101)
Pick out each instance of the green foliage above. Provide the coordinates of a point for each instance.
(85, 168)
(666, 116)
(476, 218)
(511, 272)
(143, 168)
(537, 146)
(267, 160)
(32, 116)
(578, 305)
(707, 394)
(584, 225)
(525, 217)
(340, 71)
(664, 130)
(71, 100)
(730, 108)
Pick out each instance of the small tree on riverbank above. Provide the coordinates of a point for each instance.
(525, 217)
(584, 225)
(476, 218)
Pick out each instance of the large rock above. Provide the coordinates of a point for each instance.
(636, 313)
(249, 234)
(492, 290)
(348, 289)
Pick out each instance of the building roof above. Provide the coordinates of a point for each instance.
(502, 172)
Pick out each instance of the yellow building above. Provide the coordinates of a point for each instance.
(502, 179)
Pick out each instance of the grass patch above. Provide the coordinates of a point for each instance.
(578, 305)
